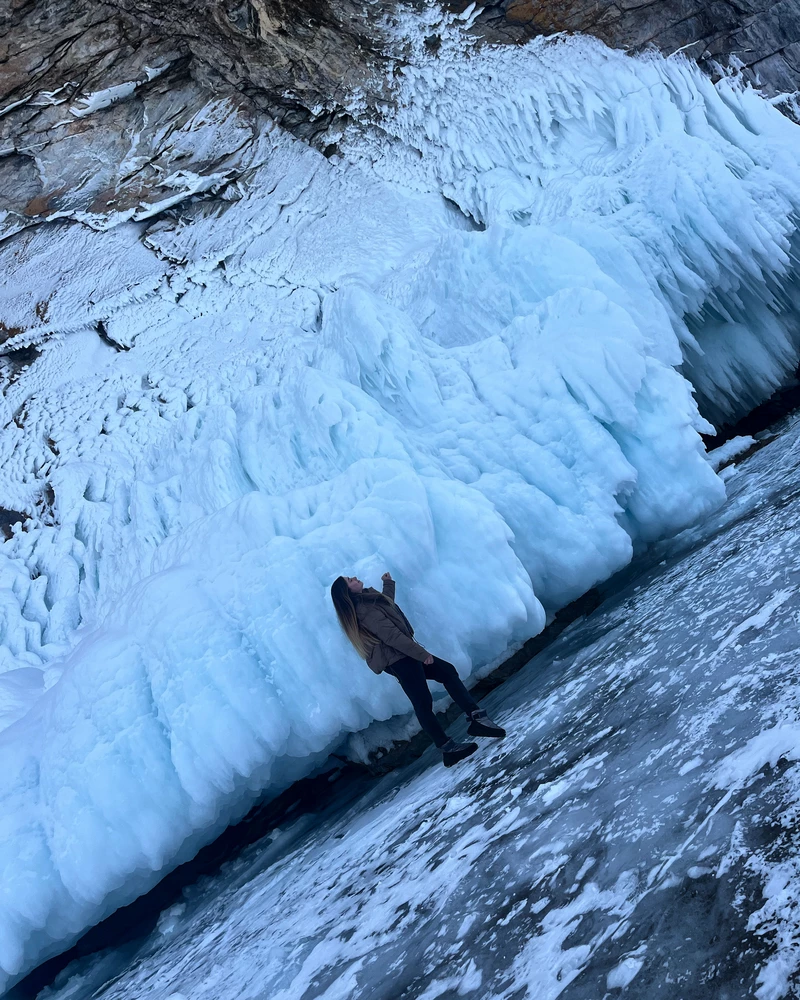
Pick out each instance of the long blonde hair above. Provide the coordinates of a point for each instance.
(362, 640)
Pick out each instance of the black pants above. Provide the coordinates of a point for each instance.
(414, 675)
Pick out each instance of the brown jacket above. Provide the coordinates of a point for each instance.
(390, 627)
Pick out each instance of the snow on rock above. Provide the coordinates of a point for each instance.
(100, 99)
(338, 370)
(127, 151)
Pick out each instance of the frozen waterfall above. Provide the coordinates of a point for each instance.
(462, 349)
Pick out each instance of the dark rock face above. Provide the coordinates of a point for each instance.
(114, 111)
(761, 35)
(8, 518)
(287, 55)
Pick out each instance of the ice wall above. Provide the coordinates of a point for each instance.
(454, 351)
(648, 165)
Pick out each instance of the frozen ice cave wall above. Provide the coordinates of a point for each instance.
(462, 347)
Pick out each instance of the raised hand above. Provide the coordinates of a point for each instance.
(386, 576)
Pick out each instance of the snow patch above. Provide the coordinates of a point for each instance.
(690, 765)
(100, 99)
(757, 620)
(768, 747)
(730, 450)
(622, 975)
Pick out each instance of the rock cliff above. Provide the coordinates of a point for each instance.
(120, 110)
(762, 36)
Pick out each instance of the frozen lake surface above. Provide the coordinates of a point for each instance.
(636, 831)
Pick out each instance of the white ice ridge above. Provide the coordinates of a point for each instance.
(678, 188)
(488, 405)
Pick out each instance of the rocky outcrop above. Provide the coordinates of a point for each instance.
(762, 36)
(115, 111)
(123, 109)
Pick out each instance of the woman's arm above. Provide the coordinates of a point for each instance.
(388, 585)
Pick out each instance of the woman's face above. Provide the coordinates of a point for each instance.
(354, 585)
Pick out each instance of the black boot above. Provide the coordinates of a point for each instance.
(481, 725)
(453, 752)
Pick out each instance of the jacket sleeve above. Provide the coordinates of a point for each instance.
(387, 632)
(388, 588)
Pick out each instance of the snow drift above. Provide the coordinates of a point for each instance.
(462, 350)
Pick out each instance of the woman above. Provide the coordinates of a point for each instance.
(382, 635)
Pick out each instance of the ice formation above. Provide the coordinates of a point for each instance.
(636, 830)
(464, 354)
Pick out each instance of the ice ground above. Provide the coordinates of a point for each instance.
(637, 829)
(337, 368)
